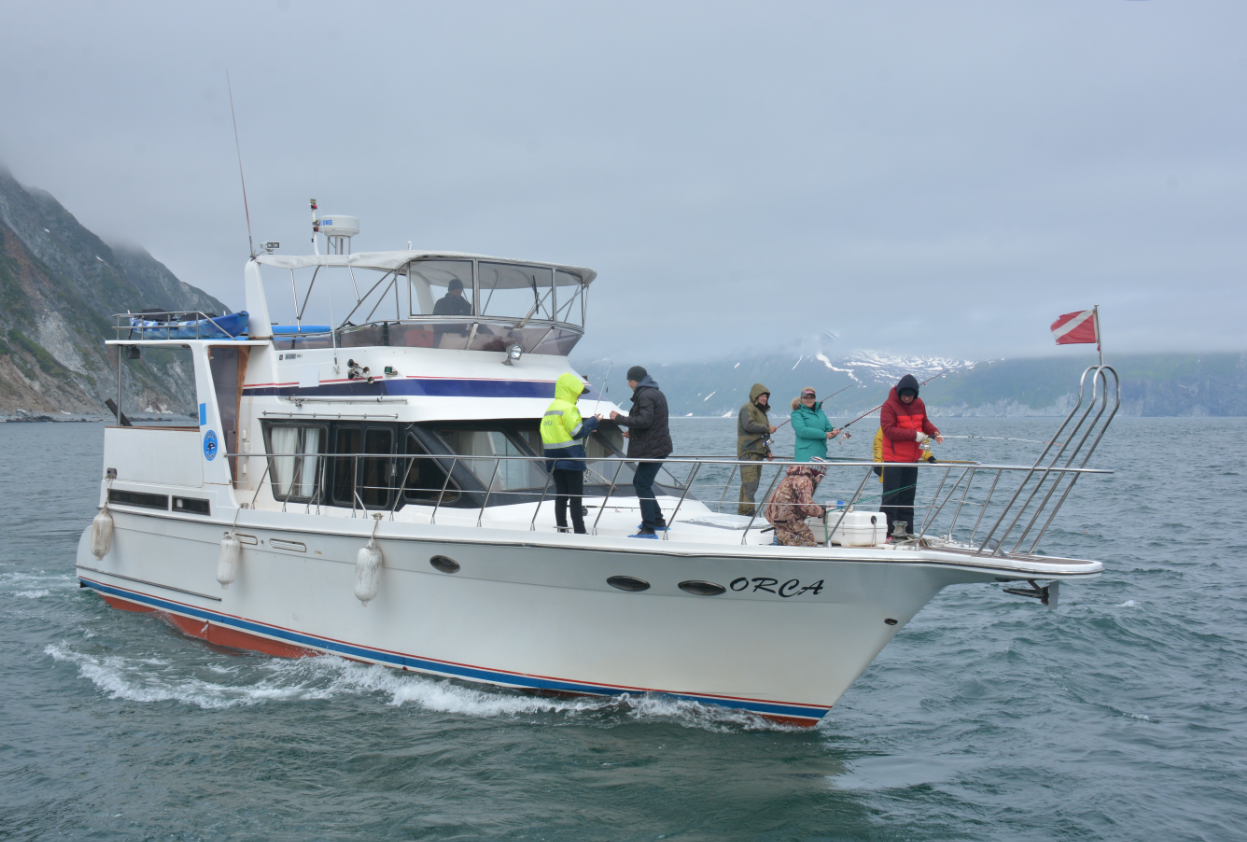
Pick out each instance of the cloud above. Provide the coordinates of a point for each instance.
(930, 179)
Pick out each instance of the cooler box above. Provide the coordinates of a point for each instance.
(855, 529)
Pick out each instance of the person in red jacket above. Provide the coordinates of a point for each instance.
(906, 427)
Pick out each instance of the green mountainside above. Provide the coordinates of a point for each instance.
(59, 284)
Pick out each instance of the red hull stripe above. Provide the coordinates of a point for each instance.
(236, 632)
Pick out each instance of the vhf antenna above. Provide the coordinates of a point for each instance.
(246, 210)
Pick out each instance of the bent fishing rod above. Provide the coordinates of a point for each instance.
(880, 406)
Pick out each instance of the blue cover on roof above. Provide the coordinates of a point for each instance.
(218, 327)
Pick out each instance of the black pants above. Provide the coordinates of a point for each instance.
(900, 484)
(569, 486)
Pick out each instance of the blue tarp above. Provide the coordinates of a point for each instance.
(219, 327)
(279, 330)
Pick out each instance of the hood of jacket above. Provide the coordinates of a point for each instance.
(568, 388)
(813, 470)
(907, 382)
(796, 405)
(645, 382)
(756, 392)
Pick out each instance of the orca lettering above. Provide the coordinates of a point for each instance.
(763, 583)
(766, 584)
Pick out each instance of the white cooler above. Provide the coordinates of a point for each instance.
(855, 529)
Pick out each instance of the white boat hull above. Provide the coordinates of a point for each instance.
(791, 633)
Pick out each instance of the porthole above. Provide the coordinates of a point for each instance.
(890, 621)
(444, 564)
(628, 583)
(698, 587)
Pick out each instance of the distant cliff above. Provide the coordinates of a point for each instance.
(1171, 384)
(59, 285)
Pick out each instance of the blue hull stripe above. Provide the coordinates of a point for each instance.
(348, 650)
(422, 387)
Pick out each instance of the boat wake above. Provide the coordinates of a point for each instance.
(277, 680)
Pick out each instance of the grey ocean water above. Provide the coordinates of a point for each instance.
(1120, 716)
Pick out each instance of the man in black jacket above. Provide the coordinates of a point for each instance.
(648, 438)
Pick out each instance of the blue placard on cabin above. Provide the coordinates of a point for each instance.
(210, 445)
(203, 414)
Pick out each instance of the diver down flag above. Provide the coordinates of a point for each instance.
(1076, 328)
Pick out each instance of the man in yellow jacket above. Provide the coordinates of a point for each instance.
(563, 432)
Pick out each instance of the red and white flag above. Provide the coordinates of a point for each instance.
(1076, 328)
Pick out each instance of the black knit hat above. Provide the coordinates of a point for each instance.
(637, 373)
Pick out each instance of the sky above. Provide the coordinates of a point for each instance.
(906, 177)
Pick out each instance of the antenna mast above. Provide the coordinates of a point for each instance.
(246, 210)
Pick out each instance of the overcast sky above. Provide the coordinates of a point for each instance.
(927, 178)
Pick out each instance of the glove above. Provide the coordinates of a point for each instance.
(920, 437)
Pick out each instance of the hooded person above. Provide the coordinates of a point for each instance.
(811, 426)
(451, 304)
(648, 438)
(563, 432)
(905, 427)
(753, 431)
(793, 501)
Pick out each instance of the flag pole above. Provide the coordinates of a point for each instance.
(1098, 346)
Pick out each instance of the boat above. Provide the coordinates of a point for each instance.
(372, 487)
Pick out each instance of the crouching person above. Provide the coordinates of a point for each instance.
(793, 502)
(563, 432)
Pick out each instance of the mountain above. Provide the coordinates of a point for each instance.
(59, 285)
(1172, 384)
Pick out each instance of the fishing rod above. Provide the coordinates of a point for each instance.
(880, 406)
(605, 386)
(999, 438)
(824, 400)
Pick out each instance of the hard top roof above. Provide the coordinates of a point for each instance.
(389, 261)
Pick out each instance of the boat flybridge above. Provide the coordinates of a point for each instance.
(374, 488)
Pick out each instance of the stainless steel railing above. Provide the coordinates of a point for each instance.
(372, 483)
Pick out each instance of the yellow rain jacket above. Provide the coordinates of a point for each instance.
(562, 428)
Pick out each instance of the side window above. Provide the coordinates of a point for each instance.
(296, 461)
(378, 471)
(347, 441)
(426, 477)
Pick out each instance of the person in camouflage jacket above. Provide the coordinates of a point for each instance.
(793, 502)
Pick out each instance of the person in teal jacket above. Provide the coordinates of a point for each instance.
(813, 429)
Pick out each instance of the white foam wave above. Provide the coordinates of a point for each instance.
(37, 594)
(327, 677)
(1130, 603)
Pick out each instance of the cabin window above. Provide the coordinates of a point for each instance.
(427, 477)
(512, 291)
(500, 475)
(363, 479)
(296, 461)
(430, 294)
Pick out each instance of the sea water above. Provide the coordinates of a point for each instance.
(1122, 715)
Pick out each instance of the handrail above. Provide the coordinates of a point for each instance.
(535, 490)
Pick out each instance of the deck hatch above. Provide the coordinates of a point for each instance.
(138, 498)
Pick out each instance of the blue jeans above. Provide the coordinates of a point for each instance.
(643, 483)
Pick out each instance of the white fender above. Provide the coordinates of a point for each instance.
(102, 533)
(367, 572)
(227, 560)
